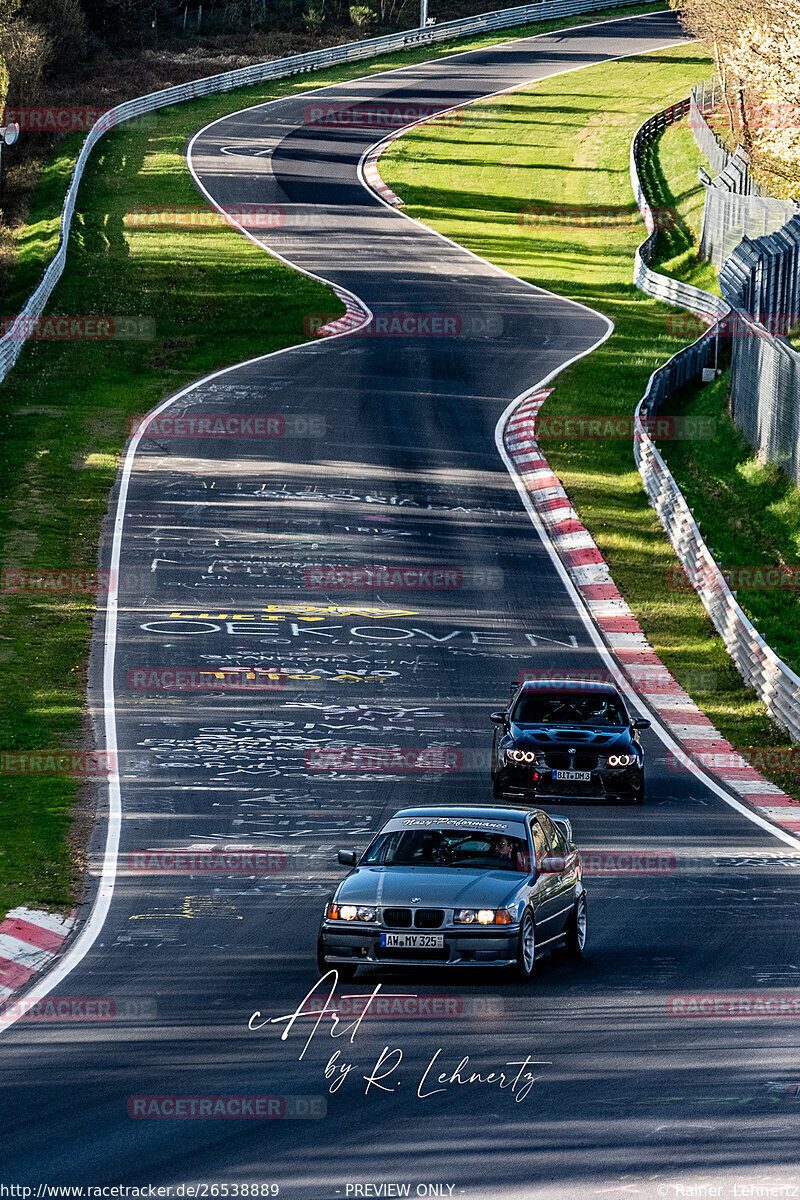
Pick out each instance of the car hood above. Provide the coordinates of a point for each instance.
(436, 887)
(561, 737)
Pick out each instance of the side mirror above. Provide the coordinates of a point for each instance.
(640, 723)
(347, 858)
(565, 825)
(499, 718)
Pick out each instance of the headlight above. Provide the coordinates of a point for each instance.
(351, 912)
(621, 760)
(521, 756)
(482, 916)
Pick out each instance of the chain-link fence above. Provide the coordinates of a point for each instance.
(735, 206)
(774, 681)
(761, 281)
(705, 98)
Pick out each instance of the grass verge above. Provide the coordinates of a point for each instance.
(215, 300)
(538, 183)
(749, 513)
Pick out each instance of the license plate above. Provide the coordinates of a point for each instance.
(578, 776)
(412, 941)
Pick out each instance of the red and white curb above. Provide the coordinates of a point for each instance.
(356, 316)
(640, 666)
(371, 174)
(369, 163)
(29, 941)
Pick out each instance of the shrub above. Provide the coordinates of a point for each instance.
(362, 16)
(314, 16)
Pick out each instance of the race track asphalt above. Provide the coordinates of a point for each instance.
(386, 455)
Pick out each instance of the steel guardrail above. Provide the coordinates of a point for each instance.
(14, 339)
(776, 684)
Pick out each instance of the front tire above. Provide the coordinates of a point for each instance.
(347, 971)
(526, 947)
(575, 943)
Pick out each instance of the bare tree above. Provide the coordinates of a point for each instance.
(756, 48)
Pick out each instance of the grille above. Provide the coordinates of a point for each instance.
(397, 918)
(559, 761)
(428, 918)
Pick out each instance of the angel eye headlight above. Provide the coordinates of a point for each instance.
(520, 756)
(620, 760)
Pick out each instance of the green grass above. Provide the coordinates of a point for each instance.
(678, 197)
(748, 512)
(215, 300)
(562, 148)
(37, 240)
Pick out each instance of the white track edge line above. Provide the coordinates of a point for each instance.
(580, 605)
(102, 902)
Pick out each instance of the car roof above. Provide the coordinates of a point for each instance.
(569, 687)
(482, 812)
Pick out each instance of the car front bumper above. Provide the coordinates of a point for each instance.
(605, 783)
(467, 948)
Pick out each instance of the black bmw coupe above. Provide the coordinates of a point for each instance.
(567, 740)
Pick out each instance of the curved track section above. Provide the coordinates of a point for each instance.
(381, 452)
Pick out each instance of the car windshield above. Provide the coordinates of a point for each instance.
(449, 848)
(533, 709)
